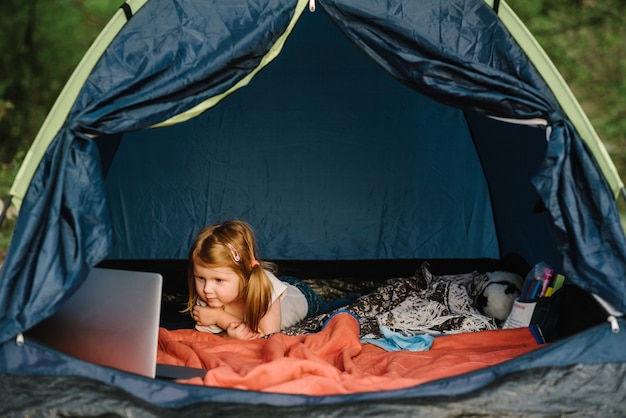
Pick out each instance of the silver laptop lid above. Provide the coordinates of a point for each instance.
(111, 320)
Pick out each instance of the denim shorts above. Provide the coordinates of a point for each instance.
(316, 305)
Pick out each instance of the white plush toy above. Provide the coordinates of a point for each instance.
(497, 293)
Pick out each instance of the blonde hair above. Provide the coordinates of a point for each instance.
(232, 244)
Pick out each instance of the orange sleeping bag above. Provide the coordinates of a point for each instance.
(334, 361)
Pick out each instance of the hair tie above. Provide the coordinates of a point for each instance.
(234, 252)
(255, 263)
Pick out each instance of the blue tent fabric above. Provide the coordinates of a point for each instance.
(322, 151)
(65, 225)
(594, 346)
(512, 193)
(64, 232)
(589, 243)
(99, 399)
(438, 65)
(461, 56)
(166, 60)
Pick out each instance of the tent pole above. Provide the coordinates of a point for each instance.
(496, 6)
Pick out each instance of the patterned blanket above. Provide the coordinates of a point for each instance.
(423, 303)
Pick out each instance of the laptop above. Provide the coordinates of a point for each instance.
(111, 320)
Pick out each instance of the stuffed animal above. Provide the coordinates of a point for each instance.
(496, 294)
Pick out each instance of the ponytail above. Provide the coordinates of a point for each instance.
(258, 297)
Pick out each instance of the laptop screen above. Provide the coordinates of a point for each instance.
(112, 320)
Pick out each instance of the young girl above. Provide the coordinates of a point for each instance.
(232, 292)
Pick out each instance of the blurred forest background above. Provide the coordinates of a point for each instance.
(41, 41)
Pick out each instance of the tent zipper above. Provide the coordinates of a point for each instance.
(614, 324)
(613, 313)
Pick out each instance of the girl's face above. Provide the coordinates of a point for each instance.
(216, 286)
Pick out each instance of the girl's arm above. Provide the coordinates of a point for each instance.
(270, 323)
(205, 315)
(233, 325)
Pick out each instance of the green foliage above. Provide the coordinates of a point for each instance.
(585, 40)
(41, 41)
(7, 173)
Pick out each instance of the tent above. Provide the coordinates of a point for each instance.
(361, 132)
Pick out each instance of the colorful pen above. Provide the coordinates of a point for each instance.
(547, 275)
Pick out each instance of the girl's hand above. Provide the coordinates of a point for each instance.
(240, 331)
(205, 315)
